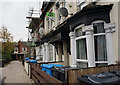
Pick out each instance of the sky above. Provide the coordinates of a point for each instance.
(13, 17)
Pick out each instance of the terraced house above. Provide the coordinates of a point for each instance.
(80, 33)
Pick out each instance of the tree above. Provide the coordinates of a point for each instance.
(7, 45)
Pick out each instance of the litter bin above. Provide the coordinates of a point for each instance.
(59, 72)
(105, 78)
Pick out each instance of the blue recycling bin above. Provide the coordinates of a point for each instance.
(32, 61)
(58, 65)
(49, 66)
(26, 58)
(48, 69)
(43, 67)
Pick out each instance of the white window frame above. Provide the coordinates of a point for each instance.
(16, 48)
(99, 34)
(23, 49)
(81, 4)
(78, 38)
(84, 36)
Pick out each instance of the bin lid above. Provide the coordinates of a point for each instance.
(62, 68)
(43, 65)
(117, 73)
(58, 65)
(49, 65)
(29, 60)
(33, 61)
(26, 58)
(103, 78)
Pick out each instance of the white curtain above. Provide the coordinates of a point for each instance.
(81, 49)
(100, 42)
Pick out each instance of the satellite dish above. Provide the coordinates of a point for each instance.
(63, 11)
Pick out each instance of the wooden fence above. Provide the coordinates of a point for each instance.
(71, 75)
(40, 77)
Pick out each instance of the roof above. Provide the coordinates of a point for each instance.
(22, 42)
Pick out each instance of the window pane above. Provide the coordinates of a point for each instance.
(99, 28)
(100, 42)
(81, 49)
(100, 48)
(82, 64)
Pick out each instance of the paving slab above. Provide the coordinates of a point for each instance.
(14, 73)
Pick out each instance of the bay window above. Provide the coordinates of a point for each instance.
(92, 45)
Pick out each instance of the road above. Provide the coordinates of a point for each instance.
(14, 73)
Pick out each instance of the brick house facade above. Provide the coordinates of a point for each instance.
(20, 50)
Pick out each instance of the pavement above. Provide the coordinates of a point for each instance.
(14, 73)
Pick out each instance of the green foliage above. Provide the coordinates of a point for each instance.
(7, 45)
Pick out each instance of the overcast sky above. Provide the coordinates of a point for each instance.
(13, 16)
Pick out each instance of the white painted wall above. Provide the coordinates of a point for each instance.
(38, 52)
(114, 18)
(46, 25)
(26, 67)
(119, 31)
(15, 49)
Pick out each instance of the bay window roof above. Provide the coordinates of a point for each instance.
(86, 16)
